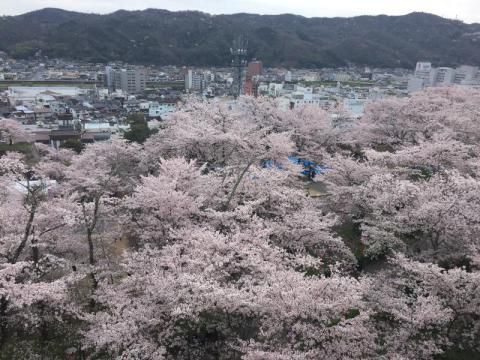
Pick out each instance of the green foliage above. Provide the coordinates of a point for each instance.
(456, 262)
(334, 322)
(27, 149)
(211, 336)
(312, 271)
(421, 173)
(24, 148)
(73, 144)
(352, 313)
(139, 130)
(50, 340)
(458, 354)
(351, 234)
(26, 49)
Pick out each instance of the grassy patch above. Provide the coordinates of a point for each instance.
(27, 149)
(351, 234)
(457, 354)
(334, 83)
(24, 148)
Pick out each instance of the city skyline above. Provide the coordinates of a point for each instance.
(464, 10)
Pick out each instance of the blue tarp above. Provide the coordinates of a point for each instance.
(310, 168)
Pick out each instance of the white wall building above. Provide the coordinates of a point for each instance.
(196, 81)
(425, 75)
(342, 77)
(465, 74)
(159, 109)
(424, 71)
(289, 76)
(444, 76)
(109, 78)
(130, 81)
(28, 94)
(355, 107)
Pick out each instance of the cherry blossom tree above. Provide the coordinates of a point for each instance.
(436, 218)
(314, 132)
(213, 294)
(429, 157)
(54, 163)
(222, 135)
(34, 274)
(172, 199)
(393, 122)
(228, 258)
(422, 310)
(12, 132)
(97, 178)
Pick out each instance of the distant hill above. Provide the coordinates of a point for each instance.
(194, 38)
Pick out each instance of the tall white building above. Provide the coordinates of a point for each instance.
(465, 74)
(443, 76)
(109, 78)
(131, 81)
(425, 72)
(196, 81)
(425, 75)
(289, 76)
(189, 80)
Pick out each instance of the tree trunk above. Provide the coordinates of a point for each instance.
(3, 321)
(91, 248)
(91, 255)
(237, 183)
(28, 230)
(35, 252)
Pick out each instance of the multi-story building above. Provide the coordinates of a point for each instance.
(195, 81)
(130, 81)
(158, 109)
(425, 75)
(465, 74)
(109, 78)
(342, 77)
(443, 76)
(254, 70)
(290, 77)
(424, 71)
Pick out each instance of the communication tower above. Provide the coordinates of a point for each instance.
(239, 62)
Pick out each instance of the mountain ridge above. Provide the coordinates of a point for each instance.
(162, 37)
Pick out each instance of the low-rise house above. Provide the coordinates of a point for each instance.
(158, 109)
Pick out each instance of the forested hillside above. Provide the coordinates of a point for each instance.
(193, 38)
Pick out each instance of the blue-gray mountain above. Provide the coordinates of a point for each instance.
(192, 38)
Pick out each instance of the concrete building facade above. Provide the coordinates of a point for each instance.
(130, 81)
(254, 70)
(425, 75)
(195, 81)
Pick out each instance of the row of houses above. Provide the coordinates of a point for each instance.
(53, 115)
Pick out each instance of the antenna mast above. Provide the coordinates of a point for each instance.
(239, 62)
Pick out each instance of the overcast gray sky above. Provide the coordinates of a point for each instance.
(465, 10)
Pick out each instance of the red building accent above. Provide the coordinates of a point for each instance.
(254, 70)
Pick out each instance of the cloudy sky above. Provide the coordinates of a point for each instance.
(465, 10)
